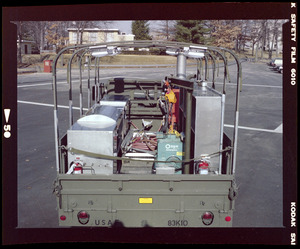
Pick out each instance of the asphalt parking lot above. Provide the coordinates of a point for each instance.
(259, 155)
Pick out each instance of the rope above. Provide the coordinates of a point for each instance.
(96, 155)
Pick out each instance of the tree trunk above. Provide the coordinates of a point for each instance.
(272, 46)
(256, 51)
(42, 34)
(276, 41)
(253, 45)
(263, 38)
(81, 34)
(77, 37)
(19, 28)
(237, 44)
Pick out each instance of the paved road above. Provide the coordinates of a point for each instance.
(259, 158)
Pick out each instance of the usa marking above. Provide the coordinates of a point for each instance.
(105, 223)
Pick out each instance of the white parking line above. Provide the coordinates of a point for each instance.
(77, 80)
(277, 130)
(49, 105)
(31, 85)
(43, 84)
(234, 84)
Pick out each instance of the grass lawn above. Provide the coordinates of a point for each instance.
(120, 59)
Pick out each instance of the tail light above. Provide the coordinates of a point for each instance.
(83, 217)
(207, 218)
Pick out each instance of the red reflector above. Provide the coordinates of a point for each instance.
(228, 218)
(62, 217)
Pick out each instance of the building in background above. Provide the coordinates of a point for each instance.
(96, 35)
(26, 46)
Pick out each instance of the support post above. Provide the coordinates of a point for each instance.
(181, 74)
(181, 66)
(188, 133)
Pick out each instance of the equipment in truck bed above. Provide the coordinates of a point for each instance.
(149, 152)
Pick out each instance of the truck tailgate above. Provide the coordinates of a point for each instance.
(144, 200)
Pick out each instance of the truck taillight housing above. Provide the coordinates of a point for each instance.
(207, 218)
(83, 217)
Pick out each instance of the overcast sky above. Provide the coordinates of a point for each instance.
(125, 26)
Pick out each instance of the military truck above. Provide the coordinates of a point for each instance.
(146, 152)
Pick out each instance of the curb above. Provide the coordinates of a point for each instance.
(28, 71)
(35, 69)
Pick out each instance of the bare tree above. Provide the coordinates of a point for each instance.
(244, 35)
(165, 29)
(20, 39)
(80, 26)
(253, 34)
(272, 32)
(257, 36)
(37, 32)
(263, 35)
(277, 29)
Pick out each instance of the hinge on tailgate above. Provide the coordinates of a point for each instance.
(56, 188)
(181, 208)
(233, 191)
(110, 208)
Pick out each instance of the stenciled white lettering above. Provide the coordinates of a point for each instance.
(99, 222)
(171, 147)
